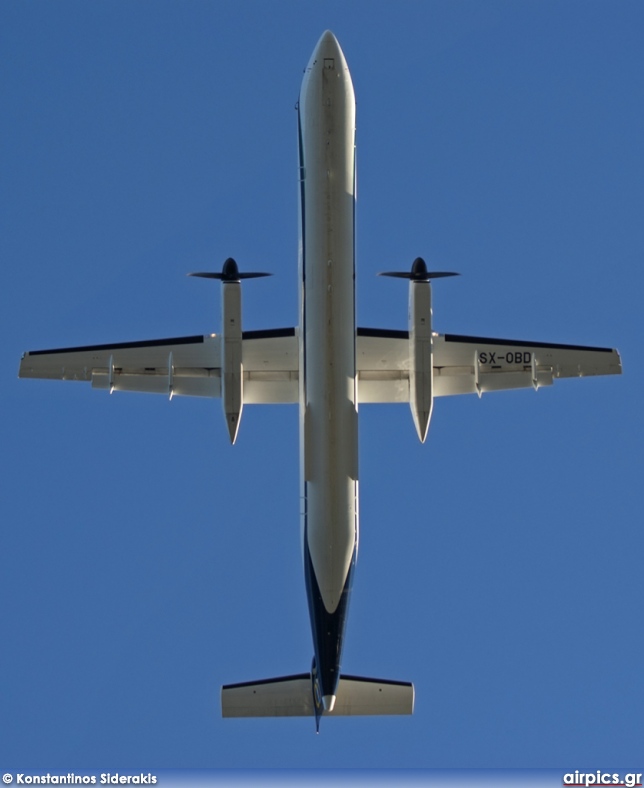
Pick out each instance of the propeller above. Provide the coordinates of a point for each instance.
(418, 273)
(229, 273)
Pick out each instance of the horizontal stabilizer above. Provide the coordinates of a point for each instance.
(287, 696)
(292, 696)
(359, 695)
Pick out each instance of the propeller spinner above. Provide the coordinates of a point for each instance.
(418, 273)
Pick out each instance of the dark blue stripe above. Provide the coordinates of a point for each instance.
(278, 680)
(302, 176)
(269, 333)
(391, 333)
(122, 345)
(303, 231)
(521, 343)
(327, 628)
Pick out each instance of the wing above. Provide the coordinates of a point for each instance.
(382, 361)
(181, 366)
(270, 360)
(191, 366)
(468, 365)
(463, 364)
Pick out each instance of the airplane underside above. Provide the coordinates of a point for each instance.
(328, 366)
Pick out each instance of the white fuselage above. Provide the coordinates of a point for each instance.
(328, 399)
(318, 364)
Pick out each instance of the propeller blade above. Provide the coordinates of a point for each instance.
(229, 273)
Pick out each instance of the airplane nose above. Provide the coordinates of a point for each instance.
(328, 46)
(328, 39)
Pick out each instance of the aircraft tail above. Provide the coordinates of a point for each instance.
(292, 696)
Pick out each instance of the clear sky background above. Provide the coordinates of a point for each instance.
(144, 561)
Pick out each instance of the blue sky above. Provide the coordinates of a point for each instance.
(145, 561)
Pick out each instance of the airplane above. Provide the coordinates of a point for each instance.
(328, 366)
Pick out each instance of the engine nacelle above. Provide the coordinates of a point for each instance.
(232, 370)
(421, 342)
(421, 355)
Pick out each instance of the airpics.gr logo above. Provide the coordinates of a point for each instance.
(602, 778)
